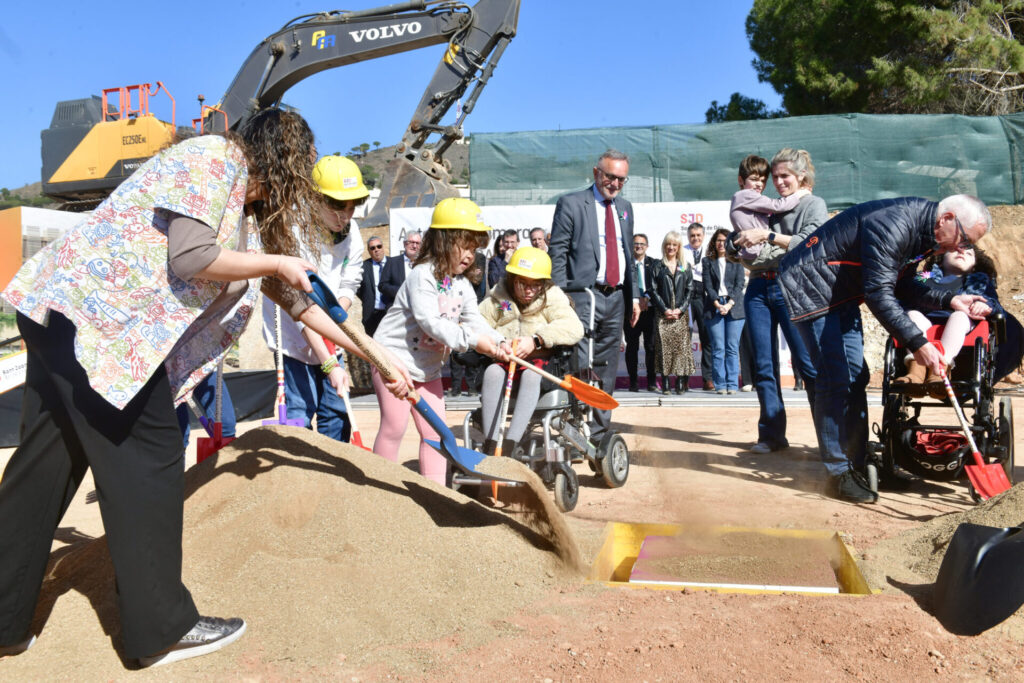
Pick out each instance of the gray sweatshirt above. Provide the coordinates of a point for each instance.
(427, 319)
(808, 216)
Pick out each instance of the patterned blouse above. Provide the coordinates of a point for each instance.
(110, 277)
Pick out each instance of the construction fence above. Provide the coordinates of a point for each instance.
(857, 157)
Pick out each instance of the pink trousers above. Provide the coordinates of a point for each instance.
(394, 418)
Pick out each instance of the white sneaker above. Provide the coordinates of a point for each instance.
(17, 648)
(747, 387)
(208, 635)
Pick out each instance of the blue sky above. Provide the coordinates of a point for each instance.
(573, 64)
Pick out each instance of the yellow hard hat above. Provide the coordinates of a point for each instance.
(530, 262)
(457, 213)
(339, 178)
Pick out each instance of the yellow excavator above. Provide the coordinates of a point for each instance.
(93, 144)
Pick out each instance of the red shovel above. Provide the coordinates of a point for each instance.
(988, 480)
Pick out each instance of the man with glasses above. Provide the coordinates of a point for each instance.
(859, 255)
(591, 241)
(539, 239)
(641, 264)
(369, 288)
(496, 266)
(396, 269)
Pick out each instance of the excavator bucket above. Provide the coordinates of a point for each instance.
(405, 186)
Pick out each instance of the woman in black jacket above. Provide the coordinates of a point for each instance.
(671, 288)
(723, 310)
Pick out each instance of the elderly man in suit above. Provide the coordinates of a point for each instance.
(591, 241)
(369, 289)
(393, 276)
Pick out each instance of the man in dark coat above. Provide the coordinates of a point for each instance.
(591, 240)
(859, 255)
(642, 265)
(397, 267)
(369, 291)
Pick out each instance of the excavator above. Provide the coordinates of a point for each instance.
(93, 144)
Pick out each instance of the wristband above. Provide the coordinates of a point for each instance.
(538, 342)
(328, 365)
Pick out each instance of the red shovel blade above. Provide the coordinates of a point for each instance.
(589, 394)
(356, 439)
(988, 480)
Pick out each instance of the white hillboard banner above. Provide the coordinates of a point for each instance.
(653, 219)
(12, 370)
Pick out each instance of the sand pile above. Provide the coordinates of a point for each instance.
(916, 554)
(332, 554)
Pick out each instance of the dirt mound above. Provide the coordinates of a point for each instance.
(332, 554)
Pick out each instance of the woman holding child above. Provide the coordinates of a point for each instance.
(791, 172)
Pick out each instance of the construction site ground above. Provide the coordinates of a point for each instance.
(350, 568)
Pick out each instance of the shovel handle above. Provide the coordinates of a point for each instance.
(543, 373)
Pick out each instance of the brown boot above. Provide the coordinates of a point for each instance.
(935, 386)
(913, 381)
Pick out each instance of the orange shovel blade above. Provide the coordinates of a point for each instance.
(988, 480)
(589, 394)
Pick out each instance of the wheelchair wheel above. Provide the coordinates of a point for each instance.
(614, 463)
(567, 490)
(1004, 435)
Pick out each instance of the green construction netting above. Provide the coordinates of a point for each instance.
(857, 157)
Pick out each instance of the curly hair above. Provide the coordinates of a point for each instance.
(280, 153)
(983, 263)
(440, 248)
(712, 250)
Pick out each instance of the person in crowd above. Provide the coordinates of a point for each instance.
(723, 312)
(643, 266)
(859, 255)
(314, 375)
(122, 316)
(539, 239)
(436, 310)
(671, 291)
(397, 269)
(964, 271)
(591, 237)
(693, 251)
(746, 361)
(750, 209)
(766, 311)
(369, 286)
(496, 266)
(527, 308)
(469, 365)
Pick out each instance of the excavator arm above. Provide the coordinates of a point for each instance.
(476, 36)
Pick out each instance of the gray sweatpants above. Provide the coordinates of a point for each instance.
(493, 393)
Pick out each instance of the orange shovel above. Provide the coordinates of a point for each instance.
(589, 394)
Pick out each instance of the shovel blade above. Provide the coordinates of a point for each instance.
(988, 480)
(979, 583)
(466, 459)
(589, 394)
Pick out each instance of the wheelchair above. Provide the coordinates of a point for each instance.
(558, 434)
(930, 450)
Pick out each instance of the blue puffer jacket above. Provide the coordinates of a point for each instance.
(859, 255)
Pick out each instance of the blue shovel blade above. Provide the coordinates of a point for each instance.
(324, 298)
(466, 459)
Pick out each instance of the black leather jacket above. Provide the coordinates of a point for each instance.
(664, 284)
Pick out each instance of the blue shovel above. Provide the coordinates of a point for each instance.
(465, 459)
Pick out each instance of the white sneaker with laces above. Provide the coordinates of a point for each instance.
(208, 635)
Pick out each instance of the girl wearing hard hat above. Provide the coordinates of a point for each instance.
(527, 307)
(314, 377)
(434, 312)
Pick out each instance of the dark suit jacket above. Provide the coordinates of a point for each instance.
(574, 243)
(392, 279)
(733, 286)
(367, 292)
(649, 267)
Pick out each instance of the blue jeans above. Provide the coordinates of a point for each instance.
(836, 343)
(308, 392)
(766, 313)
(205, 395)
(725, 350)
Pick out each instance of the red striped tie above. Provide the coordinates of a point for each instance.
(611, 246)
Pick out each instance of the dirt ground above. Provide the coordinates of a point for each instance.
(350, 568)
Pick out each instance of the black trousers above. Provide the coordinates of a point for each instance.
(608, 322)
(697, 309)
(137, 462)
(373, 320)
(645, 328)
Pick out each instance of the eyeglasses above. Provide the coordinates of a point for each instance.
(414, 243)
(965, 241)
(612, 178)
(639, 244)
(375, 247)
(529, 285)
